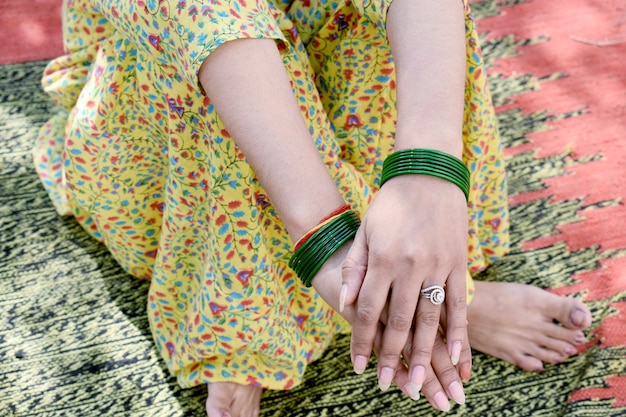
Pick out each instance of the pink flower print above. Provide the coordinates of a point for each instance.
(353, 120)
(216, 308)
(244, 276)
(155, 41)
(114, 87)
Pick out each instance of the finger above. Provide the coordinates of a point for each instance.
(369, 305)
(353, 270)
(401, 378)
(446, 372)
(400, 315)
(442, 380)
(426, 327)
(456, 322)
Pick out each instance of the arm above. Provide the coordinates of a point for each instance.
(425, 242)
(248, 85)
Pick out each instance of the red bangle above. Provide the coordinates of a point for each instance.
(325, 220)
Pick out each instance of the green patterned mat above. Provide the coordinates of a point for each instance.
(74, 336)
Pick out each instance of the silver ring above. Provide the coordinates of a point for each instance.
(435, 294)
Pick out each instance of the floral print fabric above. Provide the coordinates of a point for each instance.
(139, 156)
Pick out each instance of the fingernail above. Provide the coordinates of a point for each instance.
(441, 401)
(413, 390)
(360, 363)
(417, 377)
(578, 317)
(342, 297)
(456, 391)
(385, 378)
(456, 352)
(466, 372)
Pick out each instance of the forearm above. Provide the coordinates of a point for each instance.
(427, 39)
(249, 87)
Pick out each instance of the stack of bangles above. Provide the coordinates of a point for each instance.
(316, 246)
(319, 244)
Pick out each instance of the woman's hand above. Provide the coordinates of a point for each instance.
(413, 236)
(441, 378)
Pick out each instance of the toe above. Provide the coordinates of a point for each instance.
(580, 316)
(569, 311)
(559, 339)
(528, 363)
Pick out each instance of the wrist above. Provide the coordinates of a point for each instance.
(299, 219)
(441, 139)
(430, 162)
(317, 246)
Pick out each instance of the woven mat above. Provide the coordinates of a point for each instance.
(74, 337)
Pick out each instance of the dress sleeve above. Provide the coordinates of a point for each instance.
(180, 34)
(376, 11)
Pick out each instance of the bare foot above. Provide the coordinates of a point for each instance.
(518, 323)
(227, 399)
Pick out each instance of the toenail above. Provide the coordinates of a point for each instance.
(578, 317)
(580, 338)
(570, 350)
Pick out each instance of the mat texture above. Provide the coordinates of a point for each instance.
(74, 337)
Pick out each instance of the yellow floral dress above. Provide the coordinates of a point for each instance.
(139, 156)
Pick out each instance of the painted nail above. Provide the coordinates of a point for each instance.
(456, 352)
(418, 374)
(456, 391)
(360, 363)
(578, 317)
(580, 338)
(441, 401)
(466, 372)
(558, 359)
(410, 390)
(385, 378)
(570, 350)
(342, 297)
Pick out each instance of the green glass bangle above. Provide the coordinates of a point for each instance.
(326, 246)
(310, 257)
(316, 250)
(456, 166)
(433, 171)
(420, 165)
(311, 264)
(427, 162)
